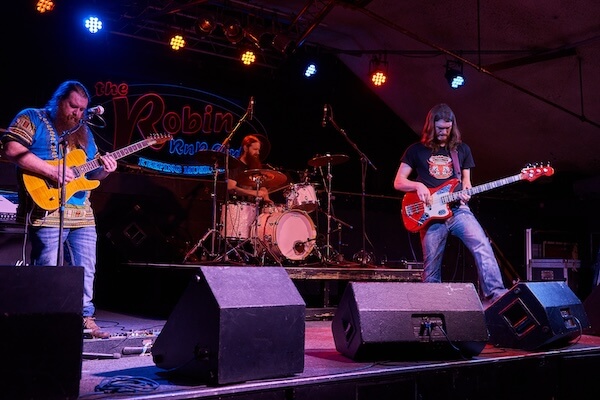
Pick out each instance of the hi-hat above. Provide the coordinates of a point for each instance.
(333, 159)
(268, 178)
(207, 157)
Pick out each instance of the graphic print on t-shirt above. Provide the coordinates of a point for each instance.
(440, 166)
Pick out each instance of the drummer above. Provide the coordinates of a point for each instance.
(250, 157)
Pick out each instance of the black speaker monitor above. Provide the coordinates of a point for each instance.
(409, 320)
(41, 332)
(534, 315)
(234, 324)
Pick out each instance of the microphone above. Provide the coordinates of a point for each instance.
(98, 110)
(251, 108)
(324, 122)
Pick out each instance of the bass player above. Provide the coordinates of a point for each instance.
(441, 156)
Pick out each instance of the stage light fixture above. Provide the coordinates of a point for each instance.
(454, 74)
(233, 31)
(378, 69)
(177, 42)
(283, 44)
(205, 25)
(259, 36)
(248, 57)
(311, 70)
(93, 24)
(44, 5)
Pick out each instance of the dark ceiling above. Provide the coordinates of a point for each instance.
(532, 68)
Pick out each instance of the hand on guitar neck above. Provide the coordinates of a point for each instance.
(416, 214)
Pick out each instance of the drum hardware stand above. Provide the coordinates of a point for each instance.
(224, 148)
(213, 230)
(362, 255)
(340, 223)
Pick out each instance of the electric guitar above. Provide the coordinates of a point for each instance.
(46, 194)
(416, 214)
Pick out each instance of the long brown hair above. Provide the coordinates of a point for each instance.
(440, 112)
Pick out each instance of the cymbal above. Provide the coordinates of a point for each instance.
(333, 159)
(268, 178)
(207, 157)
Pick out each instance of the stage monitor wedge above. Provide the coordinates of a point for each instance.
(536, 315)
(41, 332)
(409, 320)
(234, 324)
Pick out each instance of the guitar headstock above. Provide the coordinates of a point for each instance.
(159, 138)
(532, 172)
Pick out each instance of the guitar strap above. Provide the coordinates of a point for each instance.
(454, 154)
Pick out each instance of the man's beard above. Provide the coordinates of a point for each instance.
(76, 138)
(253, 162)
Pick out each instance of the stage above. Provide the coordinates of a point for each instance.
(567, 372)
(244, 332)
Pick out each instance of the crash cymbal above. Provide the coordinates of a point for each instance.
(268, 178)
(207, 157)
(333, 159)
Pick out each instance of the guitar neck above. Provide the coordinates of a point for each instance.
(454, 196)
(117, 154)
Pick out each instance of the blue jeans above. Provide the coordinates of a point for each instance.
(465, 226)
(79, 250)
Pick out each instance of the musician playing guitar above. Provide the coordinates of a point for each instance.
(32, 143)
(431, 162)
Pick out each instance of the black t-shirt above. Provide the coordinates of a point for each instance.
(436, 168)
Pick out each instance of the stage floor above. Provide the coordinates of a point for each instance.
(496, 372)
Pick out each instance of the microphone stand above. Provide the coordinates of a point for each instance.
(364, 161)
(224, 147)
(63, 145)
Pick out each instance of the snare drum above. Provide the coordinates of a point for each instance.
(240, 216)
(302, 196)
(289, 234)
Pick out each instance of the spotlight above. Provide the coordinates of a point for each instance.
(44, 5)
(311, 70)
(283, 44)
(92, 24)
(248, 57)
(378, 68)
(177, 42)
(205, 25)
(454, 74)
(259, 36)
(233, 31)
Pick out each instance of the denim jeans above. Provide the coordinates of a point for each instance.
(465, 226)
(79, 250)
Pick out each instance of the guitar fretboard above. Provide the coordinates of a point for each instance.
(454, 196)
(117, 154)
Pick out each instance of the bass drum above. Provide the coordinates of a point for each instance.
(290, 234)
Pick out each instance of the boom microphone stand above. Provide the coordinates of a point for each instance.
(225, 148)
(363, 256)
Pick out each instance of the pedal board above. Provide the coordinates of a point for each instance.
(137, 343)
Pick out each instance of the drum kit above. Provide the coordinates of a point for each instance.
(284, 233)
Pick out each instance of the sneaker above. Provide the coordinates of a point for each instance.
(91, 329)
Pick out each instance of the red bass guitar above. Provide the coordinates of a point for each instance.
(416, 214)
